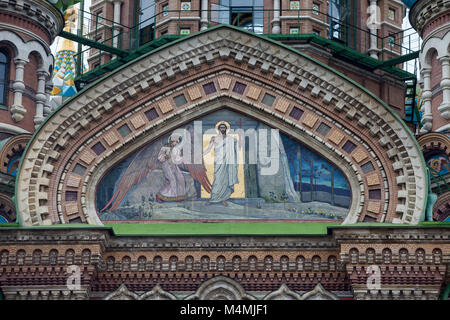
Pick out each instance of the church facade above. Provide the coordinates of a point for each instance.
(239, 160)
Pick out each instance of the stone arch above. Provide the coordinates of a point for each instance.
(283, 293)
(322, 93)
(342, 161)
(441, 209)
(319, 293)
(440, 45)
(122, 293)
(220, 288)
(434, 142)
(16, 43)
(14, 147)
(157, 293)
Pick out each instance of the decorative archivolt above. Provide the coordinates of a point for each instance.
(440, 45)
(435, 142)
(23, 49)
(350, 106)
(222, 288)
(14, 146)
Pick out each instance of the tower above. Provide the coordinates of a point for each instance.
(431, 20)
(28, 28)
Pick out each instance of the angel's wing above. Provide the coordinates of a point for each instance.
(198, 173)
(145, 161)
(196, 170)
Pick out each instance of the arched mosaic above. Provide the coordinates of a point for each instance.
(223, 166)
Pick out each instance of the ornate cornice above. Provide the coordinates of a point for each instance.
(424, 11)
(341, 97)
(435, 141)
(413, 260)
(39, 11)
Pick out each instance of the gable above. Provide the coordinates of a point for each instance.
(223, 56)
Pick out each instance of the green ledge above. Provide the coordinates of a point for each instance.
(225, 228)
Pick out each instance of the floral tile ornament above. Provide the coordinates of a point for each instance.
(294, 5)
(185, 5)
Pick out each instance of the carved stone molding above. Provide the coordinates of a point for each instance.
(283, 293)
(13, 147)
(319, 293)
(220, 288)
(49, 292)
(40, 11)
(338, 95)
(434, 141)
(122, 293)
(157, 293)
(424, 11)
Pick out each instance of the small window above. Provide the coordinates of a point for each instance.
(124, 130)
(165, 10)
(315, 8)
(180, 100)
(4, 77)
(316, 32)
(391, 14)
(209, 88)
(294, 5)
(296, 113)
(99, 17)
(268, 100)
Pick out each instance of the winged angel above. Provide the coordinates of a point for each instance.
(168, 157)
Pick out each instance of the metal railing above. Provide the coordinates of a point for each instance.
(98, 34)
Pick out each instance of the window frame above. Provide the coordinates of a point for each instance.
(5, 79)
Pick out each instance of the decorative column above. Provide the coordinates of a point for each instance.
(427, 117)
(116, 28)
(276, 17)
(373, 23)
(17, 110)
(204, 17)
(48, 89)
(444, 108)
(41, 98)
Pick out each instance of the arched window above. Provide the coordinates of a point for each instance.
(4, 77)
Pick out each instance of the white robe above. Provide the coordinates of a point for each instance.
(225, 168)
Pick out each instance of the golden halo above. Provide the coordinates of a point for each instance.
(225, 123)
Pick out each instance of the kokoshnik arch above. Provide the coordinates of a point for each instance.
(220, 71)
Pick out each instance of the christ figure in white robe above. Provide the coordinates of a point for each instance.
(225, 165)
